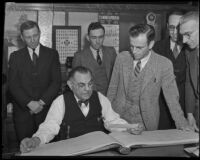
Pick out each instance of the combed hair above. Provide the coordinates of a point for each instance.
(147, 29)
(28, 25)
(79, 69)
(192, 15)
(95, 25)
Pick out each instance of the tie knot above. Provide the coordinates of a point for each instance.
(82, 101)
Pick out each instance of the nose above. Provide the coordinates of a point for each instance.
(175, 31)
(185, 39)
(32, 39)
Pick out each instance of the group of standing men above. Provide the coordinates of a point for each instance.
(108, 86)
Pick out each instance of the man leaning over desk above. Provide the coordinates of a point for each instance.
(86, 111)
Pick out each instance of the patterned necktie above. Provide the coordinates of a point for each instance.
(137, 68)
(34, 57)
(98, 58)
(175, 51)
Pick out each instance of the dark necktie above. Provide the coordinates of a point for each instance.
(34, 57)
(175, 51)
(98, 58)
(137, 68)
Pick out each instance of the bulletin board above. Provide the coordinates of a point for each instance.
(66, 40)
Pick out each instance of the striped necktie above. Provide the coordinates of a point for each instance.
(175, 51)
(98, 58)
(34, 57)
(137, 68)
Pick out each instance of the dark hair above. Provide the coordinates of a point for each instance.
(147, 29)
(79, 69)
(175, 12)
(28, 25)
(95, 25)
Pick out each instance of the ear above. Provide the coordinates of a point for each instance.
(22, 38)
(69, 83)
(87, 37)
(151, 44)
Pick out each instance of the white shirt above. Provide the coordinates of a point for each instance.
(94, 53)
(143, 61)
(30, 50)
(51, 126)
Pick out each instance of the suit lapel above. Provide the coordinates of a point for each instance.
(27, 58)
(193, 69)
(42, 58)
(105, 60)
(149, 73)
(127, 69)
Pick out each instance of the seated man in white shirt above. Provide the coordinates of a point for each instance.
(86, 111)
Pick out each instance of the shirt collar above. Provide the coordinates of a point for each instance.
(30, 50)
(172, 44)
(94, 51)
(143, 60)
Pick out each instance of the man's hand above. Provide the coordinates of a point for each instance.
(136, 130)
(28, 144)
(35, 106)
(192, 122)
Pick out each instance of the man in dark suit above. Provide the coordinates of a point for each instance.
(34, 81)
(172, 48)
(98, 58)
(189, 29)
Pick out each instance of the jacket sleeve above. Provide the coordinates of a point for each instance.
(114, 81)
(76, 60)
(14, 83)
(189, 94)
(171, 94)
(55, 81)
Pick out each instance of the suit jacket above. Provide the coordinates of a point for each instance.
(191, 81)
(22, 83)
(85, 58)
(158, 74)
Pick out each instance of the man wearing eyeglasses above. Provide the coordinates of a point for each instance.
(172, 48)
(189, 29)
(77, 112)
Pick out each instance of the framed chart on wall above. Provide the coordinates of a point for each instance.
(66, 40)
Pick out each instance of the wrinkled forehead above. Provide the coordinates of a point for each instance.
(189, 26)
(82, 77)
(174, 20)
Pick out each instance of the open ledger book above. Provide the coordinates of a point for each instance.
(97, 141)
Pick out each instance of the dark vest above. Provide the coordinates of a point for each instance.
(75, 123)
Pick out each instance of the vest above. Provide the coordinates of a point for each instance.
(75, 123)
(132, 111)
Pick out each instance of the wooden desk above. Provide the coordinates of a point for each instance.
(166, 151)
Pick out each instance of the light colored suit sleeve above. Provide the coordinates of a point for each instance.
(171, 94)
(114, 81)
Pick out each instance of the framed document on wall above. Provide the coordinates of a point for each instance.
(66, 40)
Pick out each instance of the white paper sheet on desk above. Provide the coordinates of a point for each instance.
(193, 150)
(156, 138)
(75, 146)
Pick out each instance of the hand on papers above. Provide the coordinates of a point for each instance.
(192, 122)
(137, 129)
(35, 107)
(28, 144)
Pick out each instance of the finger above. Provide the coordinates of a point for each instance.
(196, 128)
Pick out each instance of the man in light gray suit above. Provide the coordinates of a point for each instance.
(136, 81)
(98, 58)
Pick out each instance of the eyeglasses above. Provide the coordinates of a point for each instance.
(172, 27)
(188, 34)
(83, 85)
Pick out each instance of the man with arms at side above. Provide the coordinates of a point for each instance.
(76, 112)
(34, 81)
(189, 29)
(98, 58)
(137, 78)
(172, 48)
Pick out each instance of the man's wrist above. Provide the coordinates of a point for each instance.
(189, 115)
